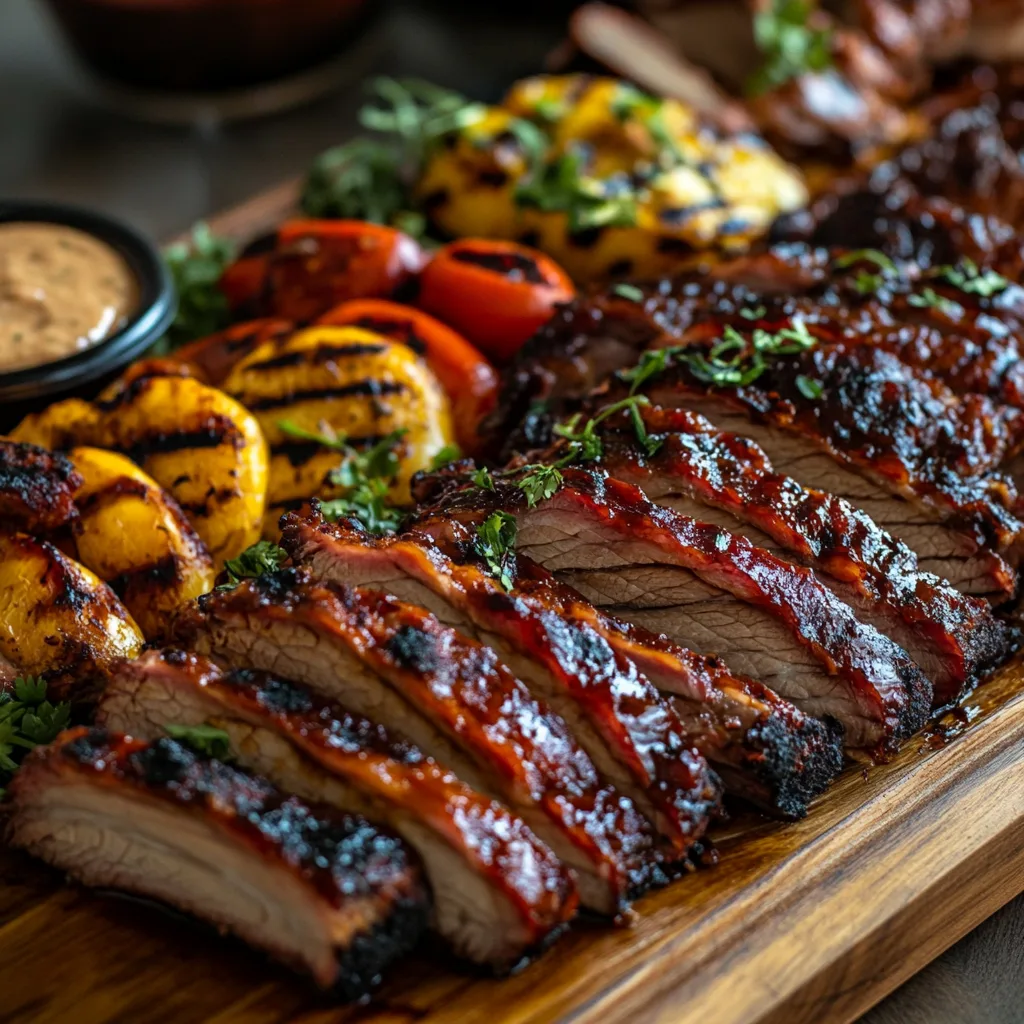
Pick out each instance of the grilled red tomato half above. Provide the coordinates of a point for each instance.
(495, 293)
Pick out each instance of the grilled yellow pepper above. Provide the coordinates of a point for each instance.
(58, 619)
(345, 381)
(132, 534)
(607, 180)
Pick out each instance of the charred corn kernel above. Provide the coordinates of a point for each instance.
(353, 383)
(59, 426)
(58, 619)
(133, 535)
(625, 183)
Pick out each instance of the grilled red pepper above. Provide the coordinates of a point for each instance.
(214, 356)
(469, 380)
(497, 294)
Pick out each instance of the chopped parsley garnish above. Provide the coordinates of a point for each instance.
(539, 483)
(27, 720)
(928, 298)
(754, 314)
(483, 478)
(631, 104)
(262, 557)
(449, 453)
(365, 477)
(973, 280)
(791, 44)
(563, 186)
(809, 387)
(549, 109)
(207, 740)
(196, 267)
(585, 444)
(628, 291)
(496, 544)
(867, 283)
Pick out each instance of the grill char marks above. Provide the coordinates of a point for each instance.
(697, 469)
(457, 702)
(478, 856)
(831, 663)
(36, 489)
(632, 735)
(770, 752)
(327, 893)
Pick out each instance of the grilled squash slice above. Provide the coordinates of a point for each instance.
(606, 179)
(352, 382)
(57, 619)
(134, 536)
(196, 442)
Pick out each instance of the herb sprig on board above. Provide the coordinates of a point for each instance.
(366, 477)
(794, 40)
(27, 720)
(196, 267)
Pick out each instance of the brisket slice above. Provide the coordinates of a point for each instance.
(398, 666)
(325, 892)
(479, 858)
(37, 489)
(766, 618)
(766, 750)
(728, 480)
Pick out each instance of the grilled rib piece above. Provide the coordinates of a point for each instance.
(37, 489)
(326, 893)
(400, 667)
(58, 620)
(767, 751)
(766, 618)
(480, 860)
(728, 480)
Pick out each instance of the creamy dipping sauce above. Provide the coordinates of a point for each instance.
(61, 291)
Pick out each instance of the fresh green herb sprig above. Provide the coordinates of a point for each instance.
(631, 104)
(631, 292)
(865, 282)
(449, 453)
(366, 477)
(791, 44)
(196, 267)
(206, 740)
(563, 186)
(262, 557)
(495, 543)
(928, 298)
(972, 279)
(27, 720)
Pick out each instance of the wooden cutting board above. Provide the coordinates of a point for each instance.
(799, 924)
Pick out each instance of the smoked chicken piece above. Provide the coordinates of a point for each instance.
(398, 666)
(197, 443)
(767, 751)
(133, 535)
(481, 861)
(326, 893)
(706, 588)
(58, 620)
(37, 489)
(728, 480)
(345, 382)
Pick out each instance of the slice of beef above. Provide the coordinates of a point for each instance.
(767, 750)
(728, 480)
(766, 618)
(325, 892)
(398, 666)
(37, 489)
(480, 859)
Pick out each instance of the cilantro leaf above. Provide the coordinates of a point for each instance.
(207, 740)
(482, 478)
(539, 483)
(495, 543)
(262, 557)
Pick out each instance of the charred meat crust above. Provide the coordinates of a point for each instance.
(881, 679)
(729, 720)
(37, 489)
(340, 858)
(732, 473)
(389, 771)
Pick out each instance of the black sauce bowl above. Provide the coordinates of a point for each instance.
(85, 372)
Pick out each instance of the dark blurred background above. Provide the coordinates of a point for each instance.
(163, 161)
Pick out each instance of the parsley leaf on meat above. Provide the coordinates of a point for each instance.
(207, 740)
(794, 41)
(496, 544)
(972, 280)
(449, 453)
(262, 557)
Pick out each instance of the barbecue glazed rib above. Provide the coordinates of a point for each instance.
(767, 751)
(327, 893)
(398, 666)
(480, 860)
(58, 620)
(716, 593)
(37, 489)
(728, 480)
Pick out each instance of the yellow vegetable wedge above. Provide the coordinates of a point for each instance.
(357, 384)
(57, 619)
(133, 535)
